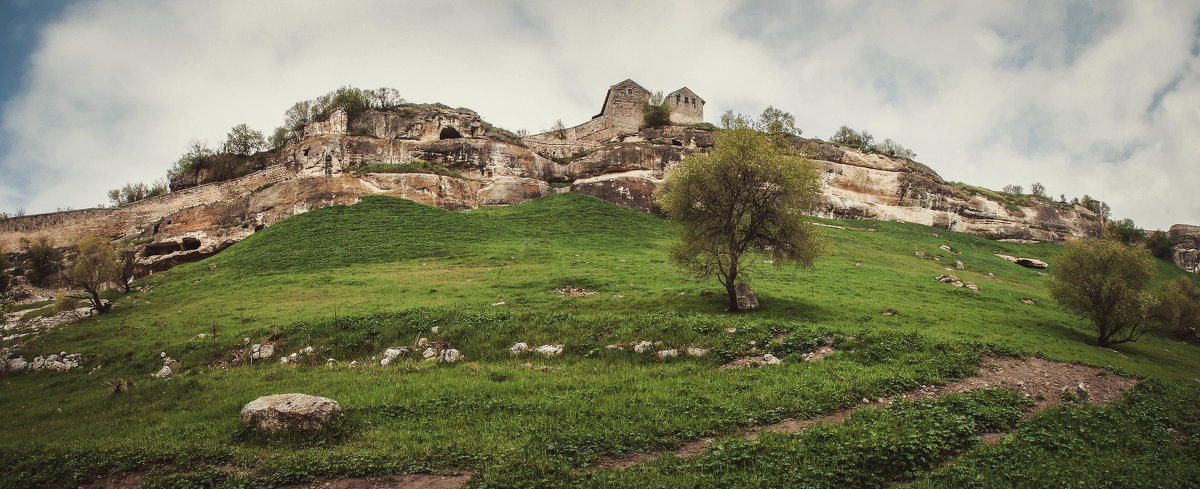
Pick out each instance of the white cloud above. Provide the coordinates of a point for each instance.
(988, 94)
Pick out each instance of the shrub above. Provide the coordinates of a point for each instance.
(133, 192)
(657, 112)
(1160, 245)
(1104, 281)
(1178, 308)
(43, 258)
(1124, 231)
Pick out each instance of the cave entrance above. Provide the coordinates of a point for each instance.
(449, 133)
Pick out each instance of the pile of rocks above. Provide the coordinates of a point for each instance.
(952, 280)
(294, 358)
(545, 350)
(168, 364)
(58, 362)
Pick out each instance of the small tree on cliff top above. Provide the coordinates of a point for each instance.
(747, 196)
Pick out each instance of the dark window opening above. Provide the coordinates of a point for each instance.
(449, 133)
(677, 99)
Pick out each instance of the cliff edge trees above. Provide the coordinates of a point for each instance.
(745, 197)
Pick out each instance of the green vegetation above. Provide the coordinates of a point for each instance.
(864, 141)
(353, 280)
(657, 112)
(772, 121)
(41, 258)
(133, 192)
(95, 264)
(416, 166)
(745, 198)
(1104, 281)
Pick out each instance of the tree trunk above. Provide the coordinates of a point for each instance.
(731, 292)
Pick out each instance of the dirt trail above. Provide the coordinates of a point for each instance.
(410, 481)
(1042, 381)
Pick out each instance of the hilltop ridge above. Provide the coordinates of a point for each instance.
(453, 159)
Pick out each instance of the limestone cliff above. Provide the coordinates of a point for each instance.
(485, 167)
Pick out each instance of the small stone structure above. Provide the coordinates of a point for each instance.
(622, 113)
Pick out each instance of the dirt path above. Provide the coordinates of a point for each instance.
(410, 481)
(1042, 381)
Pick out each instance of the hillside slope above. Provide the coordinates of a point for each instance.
(351, 281)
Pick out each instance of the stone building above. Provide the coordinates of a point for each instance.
(621, 114)
(686, 106)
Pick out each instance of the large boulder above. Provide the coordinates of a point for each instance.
(746, 300)
(281, 412)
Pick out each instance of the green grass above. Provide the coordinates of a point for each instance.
(416, 166)
(354, 280)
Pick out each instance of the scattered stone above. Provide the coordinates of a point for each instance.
(971, 286)
(390, 355)
(919, 254)
(770, 359)
(746, 300)
(261, 350)
(945, 247)
(308, 350)
(246, 340)
(570, 291)
(769, 262)
(284, 360)
(422, 342)
(550, 350)
(1025, 262)
(857, 264)
(819, 354)
(281, 412)
(643, 347)
(331, 363)
(501, 303)
(668, 353)
(519, 348)
(706, 292)
(613, 347)
(450, 356)
(696, 352)
(948, 279)
(429, 353)
(958, 265)
(1028, 301)
(164, 372)
(434, 330)
(162, 354)
(730, 330)
(618, 296)
(18, 363)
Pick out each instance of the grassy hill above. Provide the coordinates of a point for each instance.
(351, 281)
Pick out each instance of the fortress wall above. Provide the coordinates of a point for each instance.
(64, 227)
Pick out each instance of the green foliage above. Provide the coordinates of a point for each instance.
(97, 262)
(1039, 190)
(1125, 231)
(1179, 308)
(745, 197)
(243, 141)
(278, 138)
(1160, 245)
(864, 141)
(416, 166)
(657, 112)
(772, 121)
(133, 192)
(1104, 282)
(1014, 190)
(1146, 440)
(191, 160)
(43, 259)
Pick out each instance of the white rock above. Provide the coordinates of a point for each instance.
(429, 353)
(331, 363)
(18, 363)
(422, 342)
(434, 330)
(696, 352)
(283, 411)
(668, 353)
(501, 303)
(162, 355)
(391, 354)
(519, 348)
(308, 350)
(385, 361)
(164, 373)
(643, 347)
(550, 350)
(770, 359)
(613, 347)
(284, 359)
(262, 350)
(450, 356)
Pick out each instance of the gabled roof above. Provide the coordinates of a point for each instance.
(686, 91)
(629, 81)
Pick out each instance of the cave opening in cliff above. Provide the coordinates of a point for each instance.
(449, 133)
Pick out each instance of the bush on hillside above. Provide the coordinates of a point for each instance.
(657, 112)
(1178, 308)
(1104, 282)
(43, 258)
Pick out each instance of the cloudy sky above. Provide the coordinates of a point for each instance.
(1098, 98)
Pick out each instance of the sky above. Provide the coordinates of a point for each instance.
(1099, 97)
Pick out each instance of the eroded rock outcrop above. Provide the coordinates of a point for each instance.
(337, 161)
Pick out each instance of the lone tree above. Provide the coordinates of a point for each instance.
(747, 196)
(97, 262)
(1104, 281)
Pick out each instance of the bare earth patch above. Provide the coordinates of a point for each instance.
(1041, 381)
(569, 291)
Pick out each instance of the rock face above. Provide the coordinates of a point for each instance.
(1186, 250)
(281, 412)
(488, 167)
